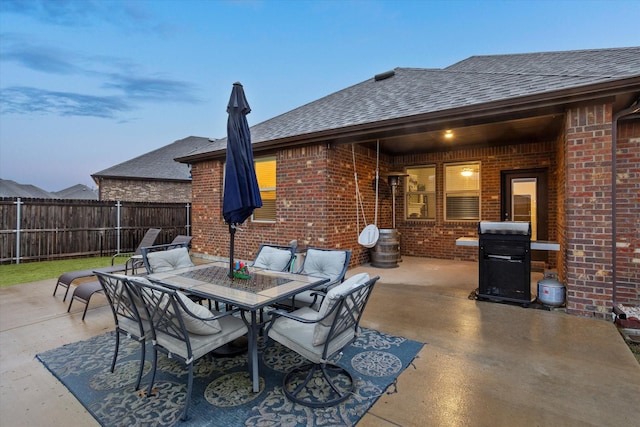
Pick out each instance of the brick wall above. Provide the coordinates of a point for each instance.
(316, 202)
(210, 235)
(132, 190)
(348, 217)
(588, 200)
(628, 208)
(437, 238)
(301, 205)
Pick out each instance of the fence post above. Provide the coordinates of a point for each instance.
(18, 213)
(118, 225)
(188, 222)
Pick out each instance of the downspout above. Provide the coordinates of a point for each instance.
(633, 109)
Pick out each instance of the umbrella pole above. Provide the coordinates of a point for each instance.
(232, 233)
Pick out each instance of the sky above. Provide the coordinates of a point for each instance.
(88, 84)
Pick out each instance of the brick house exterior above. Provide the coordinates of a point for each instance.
(138, 190)
(151, 177)
(552, 114)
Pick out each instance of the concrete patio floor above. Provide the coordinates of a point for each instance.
(483, 364)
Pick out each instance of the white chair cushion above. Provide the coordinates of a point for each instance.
(322, 328)
(298, 336)
(273, 258)
(232, 328)
(193, 325)
(327, 264)
(198, 326)
(169, 260)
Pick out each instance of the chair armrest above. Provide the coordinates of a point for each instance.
(319, 293)
(121, 254)
(315, 293)
(283, 313)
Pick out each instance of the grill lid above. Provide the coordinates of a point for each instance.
(505, 227)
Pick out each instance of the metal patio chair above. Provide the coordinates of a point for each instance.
(329, 263)
(183, 329)
(127, 310)
(318, 336)
(174, 255)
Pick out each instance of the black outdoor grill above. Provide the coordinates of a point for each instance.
(504, 261)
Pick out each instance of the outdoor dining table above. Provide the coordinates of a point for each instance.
(262, 289)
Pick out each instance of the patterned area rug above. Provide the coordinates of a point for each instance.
(221, 388)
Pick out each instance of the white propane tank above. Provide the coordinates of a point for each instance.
(550, 290)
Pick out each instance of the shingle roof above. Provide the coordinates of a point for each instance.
(78, 191)
(616, 62)
(474, 81)
(159, 164)
(10, 188)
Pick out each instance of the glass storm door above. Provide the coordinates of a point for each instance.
(524, 198)
(524, 202)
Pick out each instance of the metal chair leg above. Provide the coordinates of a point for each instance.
(143, 351)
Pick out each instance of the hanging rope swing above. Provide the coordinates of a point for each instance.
(370, 234)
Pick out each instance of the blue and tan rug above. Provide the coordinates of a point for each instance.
(221, 388)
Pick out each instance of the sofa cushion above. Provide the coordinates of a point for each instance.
(322, 328)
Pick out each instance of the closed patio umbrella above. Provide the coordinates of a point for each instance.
(241, 191)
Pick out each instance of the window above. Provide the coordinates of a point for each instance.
(421, 193)
(266, 174)
(462, 192)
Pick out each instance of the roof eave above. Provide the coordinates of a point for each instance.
(96, 177)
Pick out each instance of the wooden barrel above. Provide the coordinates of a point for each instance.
(386, 252)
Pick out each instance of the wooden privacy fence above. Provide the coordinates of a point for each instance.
(48, 229)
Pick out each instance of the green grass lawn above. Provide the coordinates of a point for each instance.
(13, 274)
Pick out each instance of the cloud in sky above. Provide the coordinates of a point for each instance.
(153, 89)
(78, 13)
(124, 90)
(29, 100)
(38, 58)
(131, 89)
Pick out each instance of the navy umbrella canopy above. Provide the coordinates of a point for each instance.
(241, 191)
